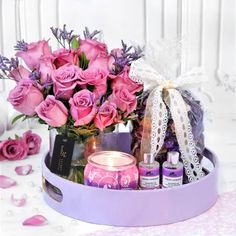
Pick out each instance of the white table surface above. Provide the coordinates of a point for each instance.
(219, 220)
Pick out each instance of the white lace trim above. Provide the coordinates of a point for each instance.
(155, 118)
(184, 136)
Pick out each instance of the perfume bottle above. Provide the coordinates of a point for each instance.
(172, 171)
(149, 172)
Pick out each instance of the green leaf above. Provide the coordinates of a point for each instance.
(139, 93)
(42, 122)
(75, 43)
(25, 118)
(17, 118)
(90, 87)
(17, 136)
(83, 63)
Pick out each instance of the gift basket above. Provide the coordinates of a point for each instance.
(154, 174)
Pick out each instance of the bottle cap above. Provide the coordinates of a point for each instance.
(173, 157)
(148, 158)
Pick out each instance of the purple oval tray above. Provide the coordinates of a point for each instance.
(132, 207)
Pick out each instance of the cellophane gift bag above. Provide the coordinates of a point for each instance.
(170, 118)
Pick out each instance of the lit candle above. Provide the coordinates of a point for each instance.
(111, 169)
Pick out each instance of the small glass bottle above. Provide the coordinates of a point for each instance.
(149, 172)
(172, 171)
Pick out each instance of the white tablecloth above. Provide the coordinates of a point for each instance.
(219, 220)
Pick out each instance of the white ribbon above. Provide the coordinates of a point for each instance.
(156, 113)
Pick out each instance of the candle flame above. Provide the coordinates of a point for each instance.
(94, 145)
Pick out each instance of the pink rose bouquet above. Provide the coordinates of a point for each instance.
(80, 86)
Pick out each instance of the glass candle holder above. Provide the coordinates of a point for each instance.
(111, 169)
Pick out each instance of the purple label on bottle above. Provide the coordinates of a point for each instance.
(148, 171)
(171, 172)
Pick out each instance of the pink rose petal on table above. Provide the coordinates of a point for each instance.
(36, 220)
(6, 182)
(18, 200)
(23, 170)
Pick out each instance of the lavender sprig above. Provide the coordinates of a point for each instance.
(48, 83)
(35, 75)
(119, 64)
(125, 48)
(126, 57)
(21, 46)
(138, 53)
(88, 35)
(3, 65)
(63, 36)
(6, 65)
(13, 63)
(131, 56)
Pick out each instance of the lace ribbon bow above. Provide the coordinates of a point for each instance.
(156, 113)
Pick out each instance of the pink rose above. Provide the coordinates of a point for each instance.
(83, 107)
(25, 97)
(107, 115)
(64, 79)
(123, 79)
(46, 67)
(125, 101)
(19, 73)
(92, 48)
(96, 75)
(13, 149)
(101, 62)
(1, 155)
(63, 56)
(33, 142)
(52, 111)
(33, 53)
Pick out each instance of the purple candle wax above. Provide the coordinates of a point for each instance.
(111, 169)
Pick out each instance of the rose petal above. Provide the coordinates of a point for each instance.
(23, 170)
(6, 182)
(35, 220)
(18, 200)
